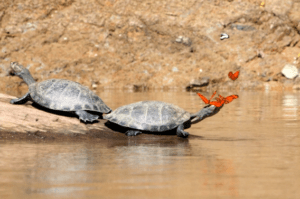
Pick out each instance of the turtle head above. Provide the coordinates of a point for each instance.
(207, 111)
(18, 70)
(22, 72)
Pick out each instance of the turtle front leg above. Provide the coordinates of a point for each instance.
(180, 132)
(21, 100)
(85, 116)
(132, 132)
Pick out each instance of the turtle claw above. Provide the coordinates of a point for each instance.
(86, 117)
(13, 101)
(21, 100)
(90, 119)
(132, 133)
(183, 134)
(180, 132)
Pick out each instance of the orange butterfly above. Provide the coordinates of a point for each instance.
(220, 100)
(233, 76)
(206, 101)
(227, 99)
(217, 103)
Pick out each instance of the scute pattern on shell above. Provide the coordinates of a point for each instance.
(65, 95)
(152, 116)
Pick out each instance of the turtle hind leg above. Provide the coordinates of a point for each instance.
(85, 116)
(180, 132)
(132, 132)
(21, 100)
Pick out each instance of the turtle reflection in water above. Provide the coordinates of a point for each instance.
(60, 95)
(157, 117)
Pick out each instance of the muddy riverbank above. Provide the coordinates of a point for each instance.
(140, 45)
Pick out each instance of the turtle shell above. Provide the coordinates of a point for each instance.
(65, 95)
(154, 116)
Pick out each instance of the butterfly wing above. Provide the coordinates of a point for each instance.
(236, 74)
(203, 98)
(219, 99)
(213, 95)
(230, 98)
(216, 103)
(233, 76)
(222, 98)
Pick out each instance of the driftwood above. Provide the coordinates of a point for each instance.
(30, 122)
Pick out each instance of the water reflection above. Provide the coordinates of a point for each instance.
(251, 149)
(290, 108)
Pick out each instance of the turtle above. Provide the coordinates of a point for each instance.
(156, 117)
(60, 95)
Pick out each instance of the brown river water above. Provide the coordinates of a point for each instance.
(250, 149)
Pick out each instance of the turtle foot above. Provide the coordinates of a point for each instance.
(132, 133)
(13, 101)
(86, 117)
(180, 132)
(21, 100)
(183, 134)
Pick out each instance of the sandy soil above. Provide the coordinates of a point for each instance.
(140, 45)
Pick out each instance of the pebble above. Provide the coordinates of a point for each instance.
(185, 40)
(204, 81)
(175, 69)
(94, 85)
(290, 71)
(179, 39)
(224, 36)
